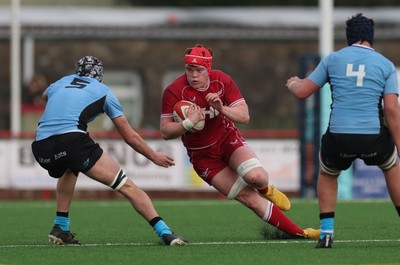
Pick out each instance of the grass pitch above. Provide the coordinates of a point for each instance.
(220, 232)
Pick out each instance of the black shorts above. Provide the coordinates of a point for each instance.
(340, 150)
(75, 151)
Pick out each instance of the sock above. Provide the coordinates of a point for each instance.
(160, 226)
(274, 216)
(398, 209)
(62, 220)
(263, 191)
(326, 222)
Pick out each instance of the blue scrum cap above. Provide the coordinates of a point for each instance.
(90, 66)
(359, 28)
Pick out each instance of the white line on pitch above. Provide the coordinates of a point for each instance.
(211, 243)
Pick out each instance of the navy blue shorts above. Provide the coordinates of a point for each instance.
(340, 150)
(75, 151)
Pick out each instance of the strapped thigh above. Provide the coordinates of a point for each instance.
(334, 172)
(237, 187)
(390, 162)
(119, 180)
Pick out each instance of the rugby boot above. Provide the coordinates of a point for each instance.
(174, 240)
(59, 237)
(325, 242)
(311, 233)
(278, 198)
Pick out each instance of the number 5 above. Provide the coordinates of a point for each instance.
(360, 73)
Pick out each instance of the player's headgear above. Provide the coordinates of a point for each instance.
(359, 28)
(199, 55)
(90, 66)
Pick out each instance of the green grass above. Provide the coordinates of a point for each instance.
(220, 231)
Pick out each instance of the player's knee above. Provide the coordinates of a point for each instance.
(119, 180)
(257, 178)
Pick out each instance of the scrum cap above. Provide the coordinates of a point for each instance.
(90, 66)
(359, 28)
(199, 55)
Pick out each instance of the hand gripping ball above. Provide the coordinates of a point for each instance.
(180, 112)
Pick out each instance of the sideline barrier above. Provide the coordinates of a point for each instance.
(19, 170)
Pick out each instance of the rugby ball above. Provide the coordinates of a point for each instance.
(180, 112)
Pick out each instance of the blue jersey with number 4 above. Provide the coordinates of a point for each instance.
(74, 101)
(359, 77)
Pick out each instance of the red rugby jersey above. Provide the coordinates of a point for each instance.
(215, 124)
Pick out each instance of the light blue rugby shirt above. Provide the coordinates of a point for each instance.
(359, 77)
(74, 101)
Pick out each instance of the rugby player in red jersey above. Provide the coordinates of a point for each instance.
(218, 152)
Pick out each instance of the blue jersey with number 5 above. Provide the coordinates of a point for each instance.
(72, 102)
(359, 77)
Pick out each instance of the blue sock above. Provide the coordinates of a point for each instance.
(63, 222)
(326, 226)
(161, 228)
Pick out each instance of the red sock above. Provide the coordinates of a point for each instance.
(278, 219)
(263, 191)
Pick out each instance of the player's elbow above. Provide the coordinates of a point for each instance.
(392, 116)
(302, 92)
(242, 114)
(243, 118)
(166, 135)
(301, 95)
(131, 140)
(246, 119)
(303, 89)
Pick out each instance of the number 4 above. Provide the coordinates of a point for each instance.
(360, 73)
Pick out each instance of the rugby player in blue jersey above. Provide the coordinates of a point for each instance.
(64, 148)
(364, 120)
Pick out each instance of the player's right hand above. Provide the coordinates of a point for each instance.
(163, 160)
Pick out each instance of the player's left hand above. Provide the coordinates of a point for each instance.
(214, 101)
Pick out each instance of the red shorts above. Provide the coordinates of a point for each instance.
(209, 161)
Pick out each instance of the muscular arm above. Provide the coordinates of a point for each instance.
(134, 140)
(170, 129)
(301, 88)
(392, 115)
(238, 113)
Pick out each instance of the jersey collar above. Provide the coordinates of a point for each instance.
(363, 46)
